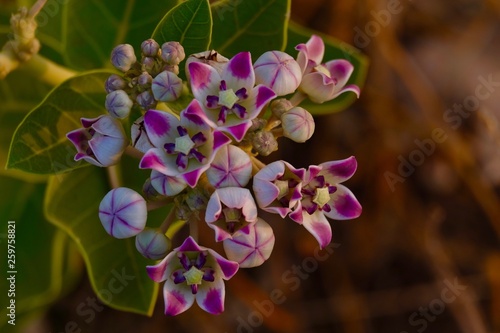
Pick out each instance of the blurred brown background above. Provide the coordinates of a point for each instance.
(425, 254)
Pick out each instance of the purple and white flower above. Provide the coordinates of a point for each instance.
(323, 82)
(192, 272)
(323, 196)
(229, 100)
(183, 147)
(228, 210)
(100, 142)
(277, 187)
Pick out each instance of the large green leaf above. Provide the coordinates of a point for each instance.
(39, 144)
(116, 270)
(17, 101)
(91, 29)
(45, 263)
(334, 49)
(190, 24)
(256, 26)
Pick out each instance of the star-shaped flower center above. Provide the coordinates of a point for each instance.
(227, 100)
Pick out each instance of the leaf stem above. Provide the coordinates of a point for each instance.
(47, 70)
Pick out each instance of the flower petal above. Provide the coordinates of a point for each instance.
(210, 296)
(178, 298)
(161, 271)
(237, 131)
(205, 81)
(239, 72)
(231, 167)
(161, 127)
(318, 226)
(336, 172)
(340, 70)
(236, 197)
(156, 159)
(311, 53)
(344, 205)
(189, 244)
(318, 87)
(225, 268)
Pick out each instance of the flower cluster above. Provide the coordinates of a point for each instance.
(203, 159)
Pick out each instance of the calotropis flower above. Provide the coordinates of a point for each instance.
(277, 187)
(323, 196)
(193, 272)
(231, 167)
(230, 101)
(182, 147)
(230, 209)
(323, 82)
(100, 142)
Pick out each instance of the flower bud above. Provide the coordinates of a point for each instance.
(172, 53)
(145, 80)
(123, 212)
(123, 57)
(150, 48)
(152, 244)
(251, 245)
(114, 82)
(149, 65)
(231, 167)
(118, 104)
(167, 87)
(172, 68)
(264, 143)
(278, 71)
(298, 124)
(146, 100)
(280, 106)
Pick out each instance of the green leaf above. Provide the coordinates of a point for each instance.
(256, 26)
(116, 270)
(91, 29)
(39, 144)
(190, 24)
(334, 49)
(17, 101)
(45, 262)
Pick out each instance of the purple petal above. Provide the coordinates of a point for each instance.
(238, 131)
(204, 80)
(336, 172)
(210, 297)
(155, 159)
(192, 177)
(318, 87)
(239, 72)
(161, 271)
(340, 70)
(226, 268)
(189, 244)
(264, 95)
(237, 197)
(178, 298)
(161, 127)
(220, 140)
(344, 205)
(318, 226)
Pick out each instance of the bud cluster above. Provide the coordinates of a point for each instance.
(204, 163)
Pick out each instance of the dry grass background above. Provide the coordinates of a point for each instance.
(442, 223)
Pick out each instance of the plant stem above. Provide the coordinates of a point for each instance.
(47, 70)
(114, 180)
(193, 228)
(152, 205)
(168, 220)
(133, 152)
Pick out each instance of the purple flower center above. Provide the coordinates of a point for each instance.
(316, 195)
(193, 271)
(228, 102)
(186, 147)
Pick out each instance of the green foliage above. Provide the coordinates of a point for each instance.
(116, 270)
(190, 24)
(39, 144)
(256, 26)
(45, 260)
(91, 29)
(334, 49)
